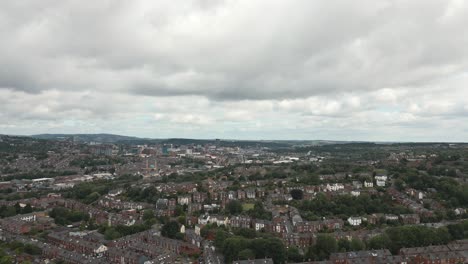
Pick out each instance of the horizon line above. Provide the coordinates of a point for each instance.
(233, 139)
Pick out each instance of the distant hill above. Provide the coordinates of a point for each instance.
(102, 138)
(112, 138)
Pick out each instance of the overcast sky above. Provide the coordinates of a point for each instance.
(247, 69)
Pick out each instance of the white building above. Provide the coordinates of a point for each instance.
(334, 187)
(61, 186)
(381, 177)
(355, 221)
(390, 217)
(204, 219)
(197, 229)
(250, 193)
(420, 195)
(101, 249)
(380, 183)
(259, 225)
(380, 180)
(182, 200)
(107, 176)
(28, 218)
(42, 182)
(219, 220)
(460, 211)
(368, 184)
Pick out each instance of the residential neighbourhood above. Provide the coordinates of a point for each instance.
(161, 203)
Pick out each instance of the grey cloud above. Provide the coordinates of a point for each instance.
(235, 65)
(236, 50)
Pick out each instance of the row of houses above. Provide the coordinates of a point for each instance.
(126, 217)
(453, 253)
(407, 219)
(111, 202)
(22, 224)
(404, 200)
(151, 238)
(90, 247)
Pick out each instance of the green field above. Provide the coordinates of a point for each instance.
(247, 206)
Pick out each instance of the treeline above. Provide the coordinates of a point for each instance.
(148, 195)
(18, 248)
(7, 211)
(171, 229)
(258, 211)
(454, 193)
(118, 231)
(89, 192)
(9, 170)
(443, 171)
(394, 239)
(346, 205)
(25, 145)
(96, 161)
(243, 243)
(64, 216)
(240, 248)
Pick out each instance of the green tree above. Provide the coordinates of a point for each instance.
(276, 250)
(27, 209)
(245, 232)
(325, 245)
(399, 184)
(220, 237)
(17, 208)
(457, 231)
(294, 255)
(234, 207)
(32, 249)
(148, 215)
(379, 242)
(232, 247)
(5, 259)
(246, 254)
(344, 245)
(111, 234)
(296, 194)
(170, 229)
(9, 211)
(356, 245)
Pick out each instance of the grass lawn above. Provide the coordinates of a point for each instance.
(247, 206)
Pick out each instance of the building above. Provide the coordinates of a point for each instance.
(355, 221)
(240, 222)
(334, 187)
(380, 183)
(410, 219)
(22, 224)
(254, 261)
(184, 199)
(365, 256)
(380, 180)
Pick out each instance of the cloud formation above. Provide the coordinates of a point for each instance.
(367, 70)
